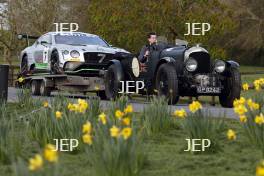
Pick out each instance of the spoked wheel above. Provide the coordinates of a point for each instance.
(167, 83)
(232, 88)
(55, 63)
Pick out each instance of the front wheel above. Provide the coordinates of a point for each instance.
(55, 63)
(167, 83)
(24, 66)
(113, 78)
(232, 88)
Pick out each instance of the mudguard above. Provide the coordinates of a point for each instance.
(232, 63)
(119, 69)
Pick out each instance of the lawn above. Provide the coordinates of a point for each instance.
(164, 151)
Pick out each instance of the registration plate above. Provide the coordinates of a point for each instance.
(208, 90)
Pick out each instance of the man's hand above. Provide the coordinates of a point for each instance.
(146, 53)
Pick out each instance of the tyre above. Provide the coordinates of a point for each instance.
(55, 63)
(232, 88)
(35, 87)
(112, 81)
(101, 94)
(44, 91)
(24, 66)
(167, 83)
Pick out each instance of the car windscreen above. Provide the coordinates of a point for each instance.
(79, 40)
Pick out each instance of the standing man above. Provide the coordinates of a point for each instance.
(145, 51)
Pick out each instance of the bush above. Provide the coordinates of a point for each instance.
(114, 146)
(10, 142)
(199, 125)
(252, 118)
(60, 119)
(156, 117)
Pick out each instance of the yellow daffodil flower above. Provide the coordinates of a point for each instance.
(119, 114)
(102, 118)
(180, 113)
(71, 107)
(45, 104)
(245, 86)
(35, 163)
(231, 135)
(260, 169)
(243, 118)
(50, 153)
(252, 105)
(240, 101)
(240, 110)
(128, 109)
(195, 106)
(259, 119)
(126, 133)
(87, 139)
(114, 131)
(58, 115)
(87, 127)
(126, 121)
(82, 106)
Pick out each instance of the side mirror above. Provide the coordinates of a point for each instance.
(44, 43)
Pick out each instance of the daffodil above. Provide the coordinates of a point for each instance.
(119, 114)
(126, 132)
(195, 106)
(50, 153)
(87, 127)
(102, 118)
(87, 139)
(240, 110)
(114, 131)
(259, 119)
(126, 121)
(245, 86)
(128, 109)
(180, 113)
(58, 115)
(35, 163)
(260, 169)
(82, 106)
(240, 101)
(71, 107)
(252, 105)
(243, 118)
(231, 135)
(45, 104)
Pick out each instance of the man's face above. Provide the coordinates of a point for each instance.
(152, 39)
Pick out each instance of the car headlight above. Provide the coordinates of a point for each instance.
(220, 66)
(65, 52)
(135, 67)
(75, 54)
(191, 65)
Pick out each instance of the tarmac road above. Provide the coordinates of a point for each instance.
(215, 111)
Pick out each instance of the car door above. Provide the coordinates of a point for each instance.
(41, 52)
